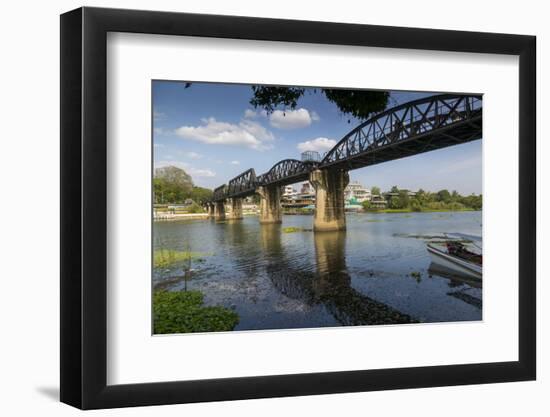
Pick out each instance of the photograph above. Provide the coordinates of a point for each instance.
(296, 207)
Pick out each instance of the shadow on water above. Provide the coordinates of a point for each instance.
(329, 284)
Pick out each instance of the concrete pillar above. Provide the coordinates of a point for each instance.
(210, 207)
(235, 209)
(329, 187)
(270, 204)
(219, 210)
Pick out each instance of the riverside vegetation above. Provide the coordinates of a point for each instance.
(183, 311)
(401, 202)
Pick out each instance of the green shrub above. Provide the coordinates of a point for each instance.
(183, 312)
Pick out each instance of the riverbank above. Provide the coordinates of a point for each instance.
(409, 210)
(179, 216)
(383, 211)
(204, 216)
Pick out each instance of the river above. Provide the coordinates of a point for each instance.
(376, 272)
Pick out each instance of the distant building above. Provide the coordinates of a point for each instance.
(356, 192)
(289, 192)
(378, 202)
(311, 156)
(307, 189)
(390, 194)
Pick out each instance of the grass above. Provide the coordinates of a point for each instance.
(163, 258)
(183, 312)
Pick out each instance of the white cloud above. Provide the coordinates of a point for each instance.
(319, 145)
(235, 163)
(193, 155)
(160, 131)
(191, 170)
(158, 115)
(314, 116)
(250, 114)
(247, 133)
(291, 119)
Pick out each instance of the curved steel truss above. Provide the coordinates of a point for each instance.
(243, 184)
(415, 127)
(411, 128)
(287, 171)
(220, 193)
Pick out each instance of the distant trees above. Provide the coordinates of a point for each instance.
(173, 185)
(427, 201)
(375, 190)
(443, 196)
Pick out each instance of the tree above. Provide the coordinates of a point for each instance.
(443, 196)
(375, 190)
(394, 189)
(366, 205)
(403, 199)
(173, 185)
(455, 196)
(357, 103)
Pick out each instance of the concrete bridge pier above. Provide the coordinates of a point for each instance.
(219, 210)
(235, 209)
(270, 204)
(210, 209)
(329, 187)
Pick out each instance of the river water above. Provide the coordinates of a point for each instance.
(376, 272)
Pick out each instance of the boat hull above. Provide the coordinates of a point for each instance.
(453, 263)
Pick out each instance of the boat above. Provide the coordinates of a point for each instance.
(459, 253)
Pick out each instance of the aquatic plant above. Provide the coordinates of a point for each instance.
(163, 258)
(292, 229)
(183, 312)
(417, 276)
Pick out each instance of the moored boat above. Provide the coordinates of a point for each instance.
(457, 256)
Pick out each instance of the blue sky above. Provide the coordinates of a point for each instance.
(213, 132)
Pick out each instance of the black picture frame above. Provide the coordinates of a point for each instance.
(84, 207)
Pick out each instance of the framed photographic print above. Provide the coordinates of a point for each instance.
(257, 208)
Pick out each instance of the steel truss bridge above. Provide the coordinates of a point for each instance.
(411, 128)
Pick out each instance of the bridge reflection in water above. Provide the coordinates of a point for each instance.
(329, 285)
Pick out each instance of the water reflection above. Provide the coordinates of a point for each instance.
(329, 284)
(373, 273)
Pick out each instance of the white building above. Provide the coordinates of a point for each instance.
(355, 191)
(289, 191)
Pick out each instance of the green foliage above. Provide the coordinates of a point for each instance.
(173, 185)
(292, 229)
(443, 200)
(163, 258)
(375, 190)
(357, 103)
(443, 196)
(174, 175)
(183, 312)
(269, 98)
(366, 204)
(194, 208)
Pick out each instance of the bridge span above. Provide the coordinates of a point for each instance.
(408, 129)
